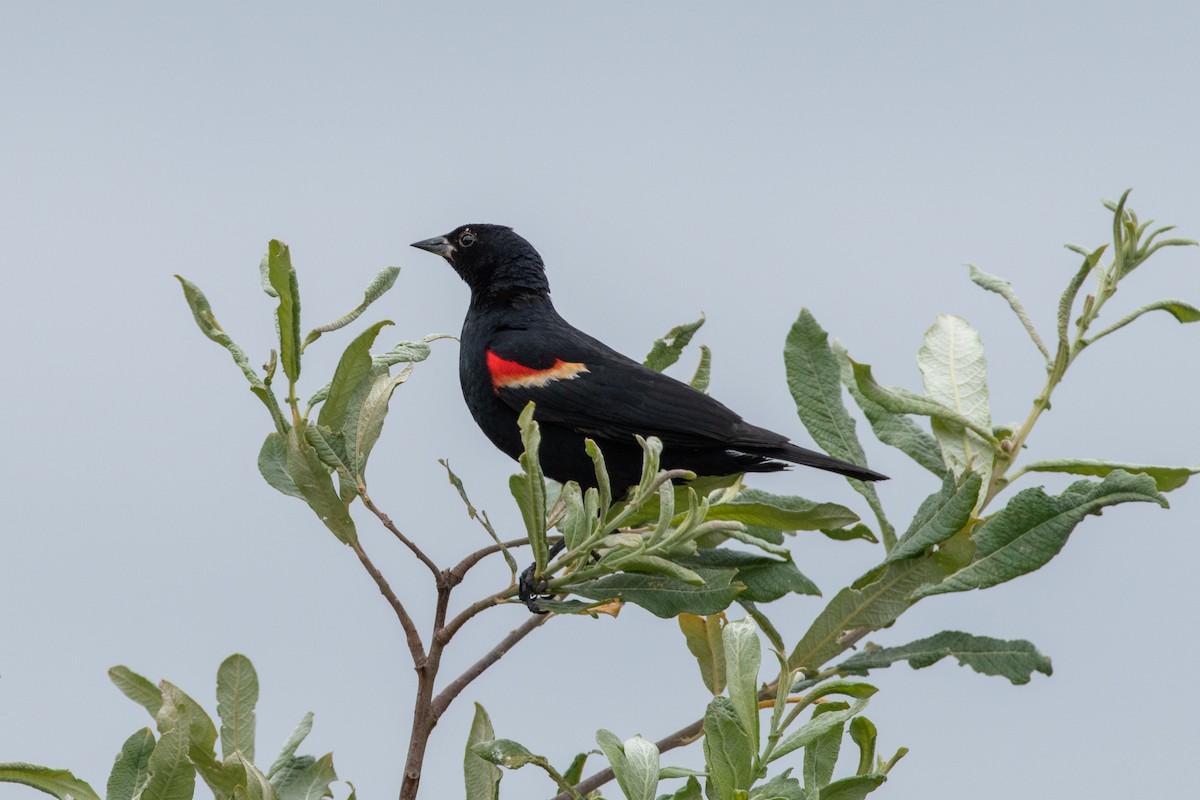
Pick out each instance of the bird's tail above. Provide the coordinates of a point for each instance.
(811, 458)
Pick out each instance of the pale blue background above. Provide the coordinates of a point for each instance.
(745, 160)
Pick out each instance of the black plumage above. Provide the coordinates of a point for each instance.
(516, 348)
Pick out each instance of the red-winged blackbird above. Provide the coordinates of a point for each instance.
(516, 348)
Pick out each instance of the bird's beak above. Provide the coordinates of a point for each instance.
(439, 245)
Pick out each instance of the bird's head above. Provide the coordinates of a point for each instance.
(492, 259)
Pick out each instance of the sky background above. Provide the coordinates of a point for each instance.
(666, 159)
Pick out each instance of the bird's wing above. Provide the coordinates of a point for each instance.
(583, 384)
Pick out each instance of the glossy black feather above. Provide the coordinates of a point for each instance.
(610, 401)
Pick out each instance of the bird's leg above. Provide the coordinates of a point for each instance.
(530, 589)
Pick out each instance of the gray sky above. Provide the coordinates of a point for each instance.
(666, 160)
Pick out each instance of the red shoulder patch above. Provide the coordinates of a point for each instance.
(512, 374)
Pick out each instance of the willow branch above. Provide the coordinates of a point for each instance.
(409, 543)
(452, 690)
(415, 645)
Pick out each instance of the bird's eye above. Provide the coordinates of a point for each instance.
(466, 239)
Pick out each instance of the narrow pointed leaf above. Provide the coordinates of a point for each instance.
(383, 281)
(1015, 660)
(57, 782)
(955, 374)
(665, 597)
(1034, 526)
(292, 744)
(996, 284)
(482, 777)
(897, 430)
(1181, 311)
(137, 688)
(311, 478)
(666, 351)
(864, 734)
(942, 515)
(282, 276)
(820, 757)
(310, 783)
(702, 376)
(1166, 479)
(766, 578)
(529, 488)
(353, 369)
(815, 382)
(756, 507)
(855, 787)
(903, 401)
(870, 606)
(367, 411)
(703, 636)
(237, 694)
(815, 728)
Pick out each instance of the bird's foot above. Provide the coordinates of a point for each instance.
(531, 588)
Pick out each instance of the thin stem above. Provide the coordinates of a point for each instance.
(445, 634)
(409, 543)
(459, 571)
(455, 687)
(415, 646)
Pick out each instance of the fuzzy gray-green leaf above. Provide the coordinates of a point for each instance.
(1015, 660)
(382, 281)
(137, 688)
(237, 694)
(283, 280)
(1034, 526)
(58, 782)
(942, 515)
(666, 351)
(1166, 479)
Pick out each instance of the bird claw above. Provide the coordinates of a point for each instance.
(531, 589)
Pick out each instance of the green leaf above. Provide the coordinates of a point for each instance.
(1033, 528)
(992, 283)
(506, 753)
(641, 769)
(869, 606)
(942, 515)
(1181, 311)
(172, 776)
(814, 380)
(662, 596)
(902, 401)
(138, 689)
(743, 656)
(728, 752)
(237, 777)
(311, 478)
(58, 782)
(237, 694)
(614, 751)
(529, 488)
(309, 783)
(203, 313)
(657, 565)
(1166, 479)
(292, 744)
(181, 712)
(353, 369)
(897, 430)
(702, 376)
(666, 351)
(283, 280)
(366, 413)
(856, 689)
(955, 374)
(131, 771)
(272, 464)
(820, 757)
(405, 352)
(703, 636)
(781, 787)
(815, 728)
(689, 791)
(482, 777)
(1016, 660)
(756, 507)
(574, 773)
(853, 788)
(766, 579)
(383, 281)
(864, 734)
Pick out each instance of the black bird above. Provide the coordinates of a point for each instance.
(516, 348)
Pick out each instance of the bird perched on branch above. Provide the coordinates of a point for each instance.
(516, 348)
